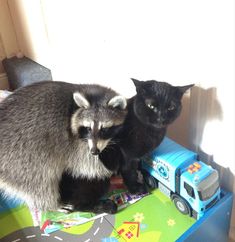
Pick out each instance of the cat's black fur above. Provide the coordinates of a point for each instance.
(150, 111)
(85, 195)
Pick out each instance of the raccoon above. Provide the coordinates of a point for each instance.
(52, 128)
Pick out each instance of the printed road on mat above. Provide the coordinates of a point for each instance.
(101, 228)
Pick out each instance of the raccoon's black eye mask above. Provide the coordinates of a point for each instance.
(103, 133)
(84, 131)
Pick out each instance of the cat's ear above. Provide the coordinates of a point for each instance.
(138, 85)
(136, 82)
(183, 89)
(80, 100)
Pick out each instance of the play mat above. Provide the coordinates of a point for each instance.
(152, 218)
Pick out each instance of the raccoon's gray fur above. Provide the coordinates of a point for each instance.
(39, 130)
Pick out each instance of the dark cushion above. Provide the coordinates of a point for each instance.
(23, 71)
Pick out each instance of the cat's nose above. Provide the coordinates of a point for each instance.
(159, 119)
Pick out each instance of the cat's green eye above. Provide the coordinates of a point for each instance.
(150, 106)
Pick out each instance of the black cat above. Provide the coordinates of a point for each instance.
(150, 111)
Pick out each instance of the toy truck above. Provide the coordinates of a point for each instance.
(192, 185)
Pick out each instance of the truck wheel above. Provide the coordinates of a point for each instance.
(181, 205)
(149, 180)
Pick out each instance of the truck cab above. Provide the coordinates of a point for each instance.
(191, 184)
(200, 188)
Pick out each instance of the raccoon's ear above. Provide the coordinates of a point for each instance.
(117, 101)
(80, 100)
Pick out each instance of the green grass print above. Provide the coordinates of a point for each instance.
(160, 220)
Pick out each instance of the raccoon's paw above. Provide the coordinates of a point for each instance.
(137, 188)
(106, 206)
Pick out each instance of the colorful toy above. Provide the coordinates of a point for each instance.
(54, 221)
(124, 198)
(192, 185)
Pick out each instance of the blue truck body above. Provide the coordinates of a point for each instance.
(191, 184)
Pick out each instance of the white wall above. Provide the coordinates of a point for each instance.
(181, 42)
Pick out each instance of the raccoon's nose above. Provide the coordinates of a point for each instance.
(95, 151)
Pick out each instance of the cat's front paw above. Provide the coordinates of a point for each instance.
(137, 188)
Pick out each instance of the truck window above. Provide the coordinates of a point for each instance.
(189, 190)
(209, 192)
(209, 186)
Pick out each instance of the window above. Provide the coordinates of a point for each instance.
(189, 190)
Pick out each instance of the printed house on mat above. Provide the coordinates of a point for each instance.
(129, 230)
